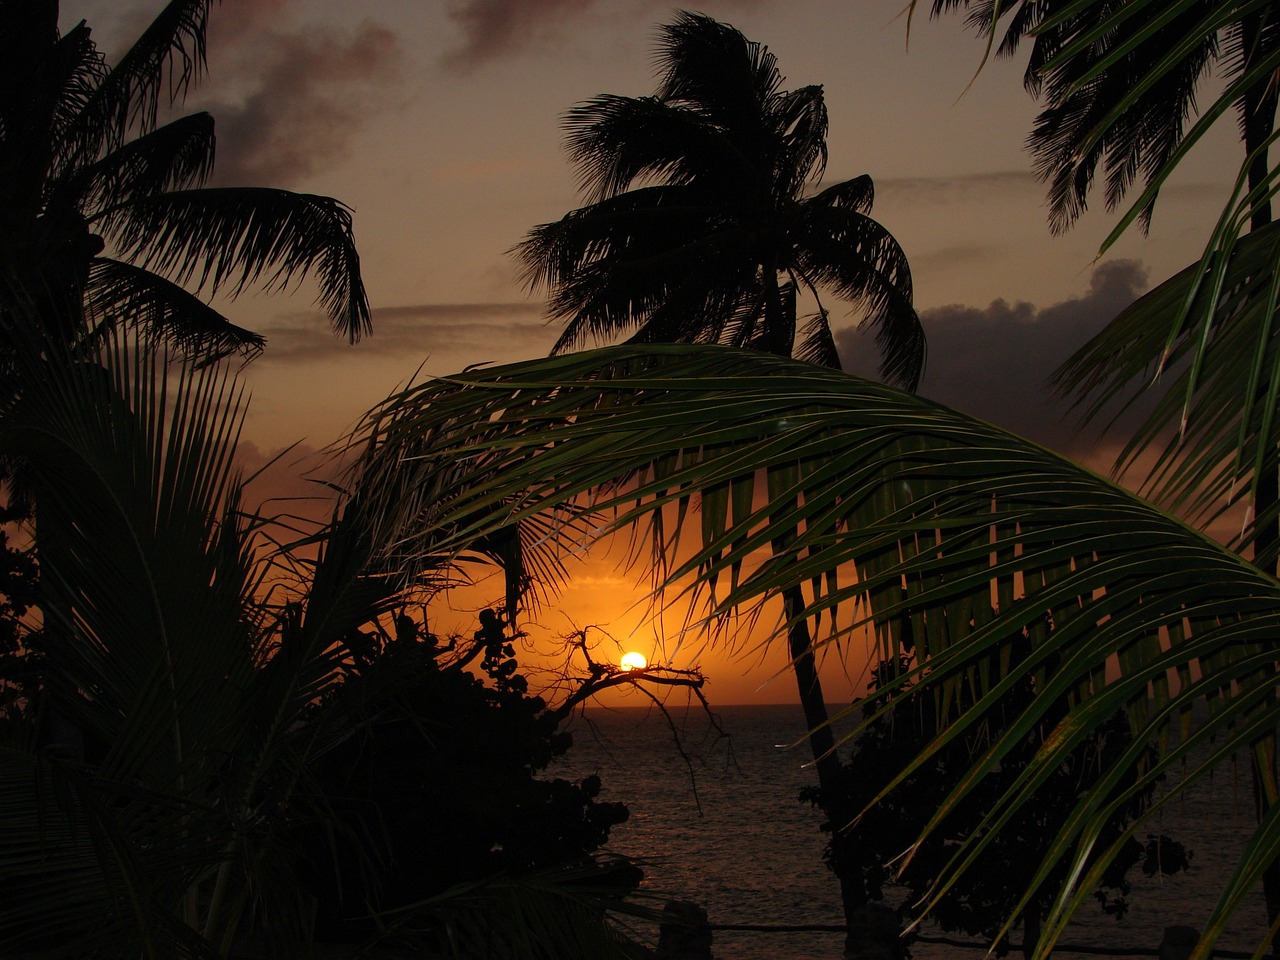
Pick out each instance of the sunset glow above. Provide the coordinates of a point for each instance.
(633, 661)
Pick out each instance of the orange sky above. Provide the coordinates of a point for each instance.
(438, 123)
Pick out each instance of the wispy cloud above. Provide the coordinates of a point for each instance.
(483, 332)
(493, 28)
(288, 97)
(956, 188)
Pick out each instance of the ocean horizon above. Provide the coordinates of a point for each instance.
(717, 820)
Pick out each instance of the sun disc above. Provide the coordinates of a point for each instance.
(634, 661)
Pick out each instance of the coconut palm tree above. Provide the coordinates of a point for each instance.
(698, 229)
(1119, 81)
(88, 169)
(951, 539)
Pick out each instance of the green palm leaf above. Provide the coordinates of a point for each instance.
(937, 520)
(1222, 378)
(1120, 83)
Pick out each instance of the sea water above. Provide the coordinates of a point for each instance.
(716, 819)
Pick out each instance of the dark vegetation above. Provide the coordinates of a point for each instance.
(207, 768)
(1002, 881)
(437, 784)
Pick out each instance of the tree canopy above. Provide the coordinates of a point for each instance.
(105, 216)
(699, 227)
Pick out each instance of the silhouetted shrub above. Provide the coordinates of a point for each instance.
(435, 780)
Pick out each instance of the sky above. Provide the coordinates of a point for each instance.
(438, 123)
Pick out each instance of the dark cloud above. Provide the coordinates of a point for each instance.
(994, 363)
(480, 332)
(492, 28)
(955, 188)
(311, 91)
(235, 23)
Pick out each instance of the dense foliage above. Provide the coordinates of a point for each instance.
(106, 216)
(989, 892)
(436, 783)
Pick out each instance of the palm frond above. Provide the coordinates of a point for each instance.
(228, 238)
(801, 117)
(122, 296)
(945, 521)
(617, 142)
(1210, 331)
(715, 71)
(161, 65)
(172, 157)
(817, 344)
(849, 252)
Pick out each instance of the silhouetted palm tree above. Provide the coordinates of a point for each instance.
(1119, 82)
(698, 227)
(698, 230)
(86, 167)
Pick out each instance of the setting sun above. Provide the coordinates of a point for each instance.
(633, 661)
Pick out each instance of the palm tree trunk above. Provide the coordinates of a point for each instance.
(853, 894)
(780, 326)
(1258, 109)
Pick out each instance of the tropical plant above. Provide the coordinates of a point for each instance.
(699, 229)
(910, 520)
(199, 664)
(420, 742)
(1119, 81)
(984, 897)
(87, 166)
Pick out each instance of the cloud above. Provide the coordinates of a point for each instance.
(493, 28)
(494, 331)
(994, 363)
(289, 98)
(955, 189)
(235, 22)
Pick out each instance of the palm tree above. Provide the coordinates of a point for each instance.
(87, 167)
(698, 229)
(951, 538)
(1078, 130)
(1119, 81)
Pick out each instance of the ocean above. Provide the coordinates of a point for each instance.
(717, 820)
